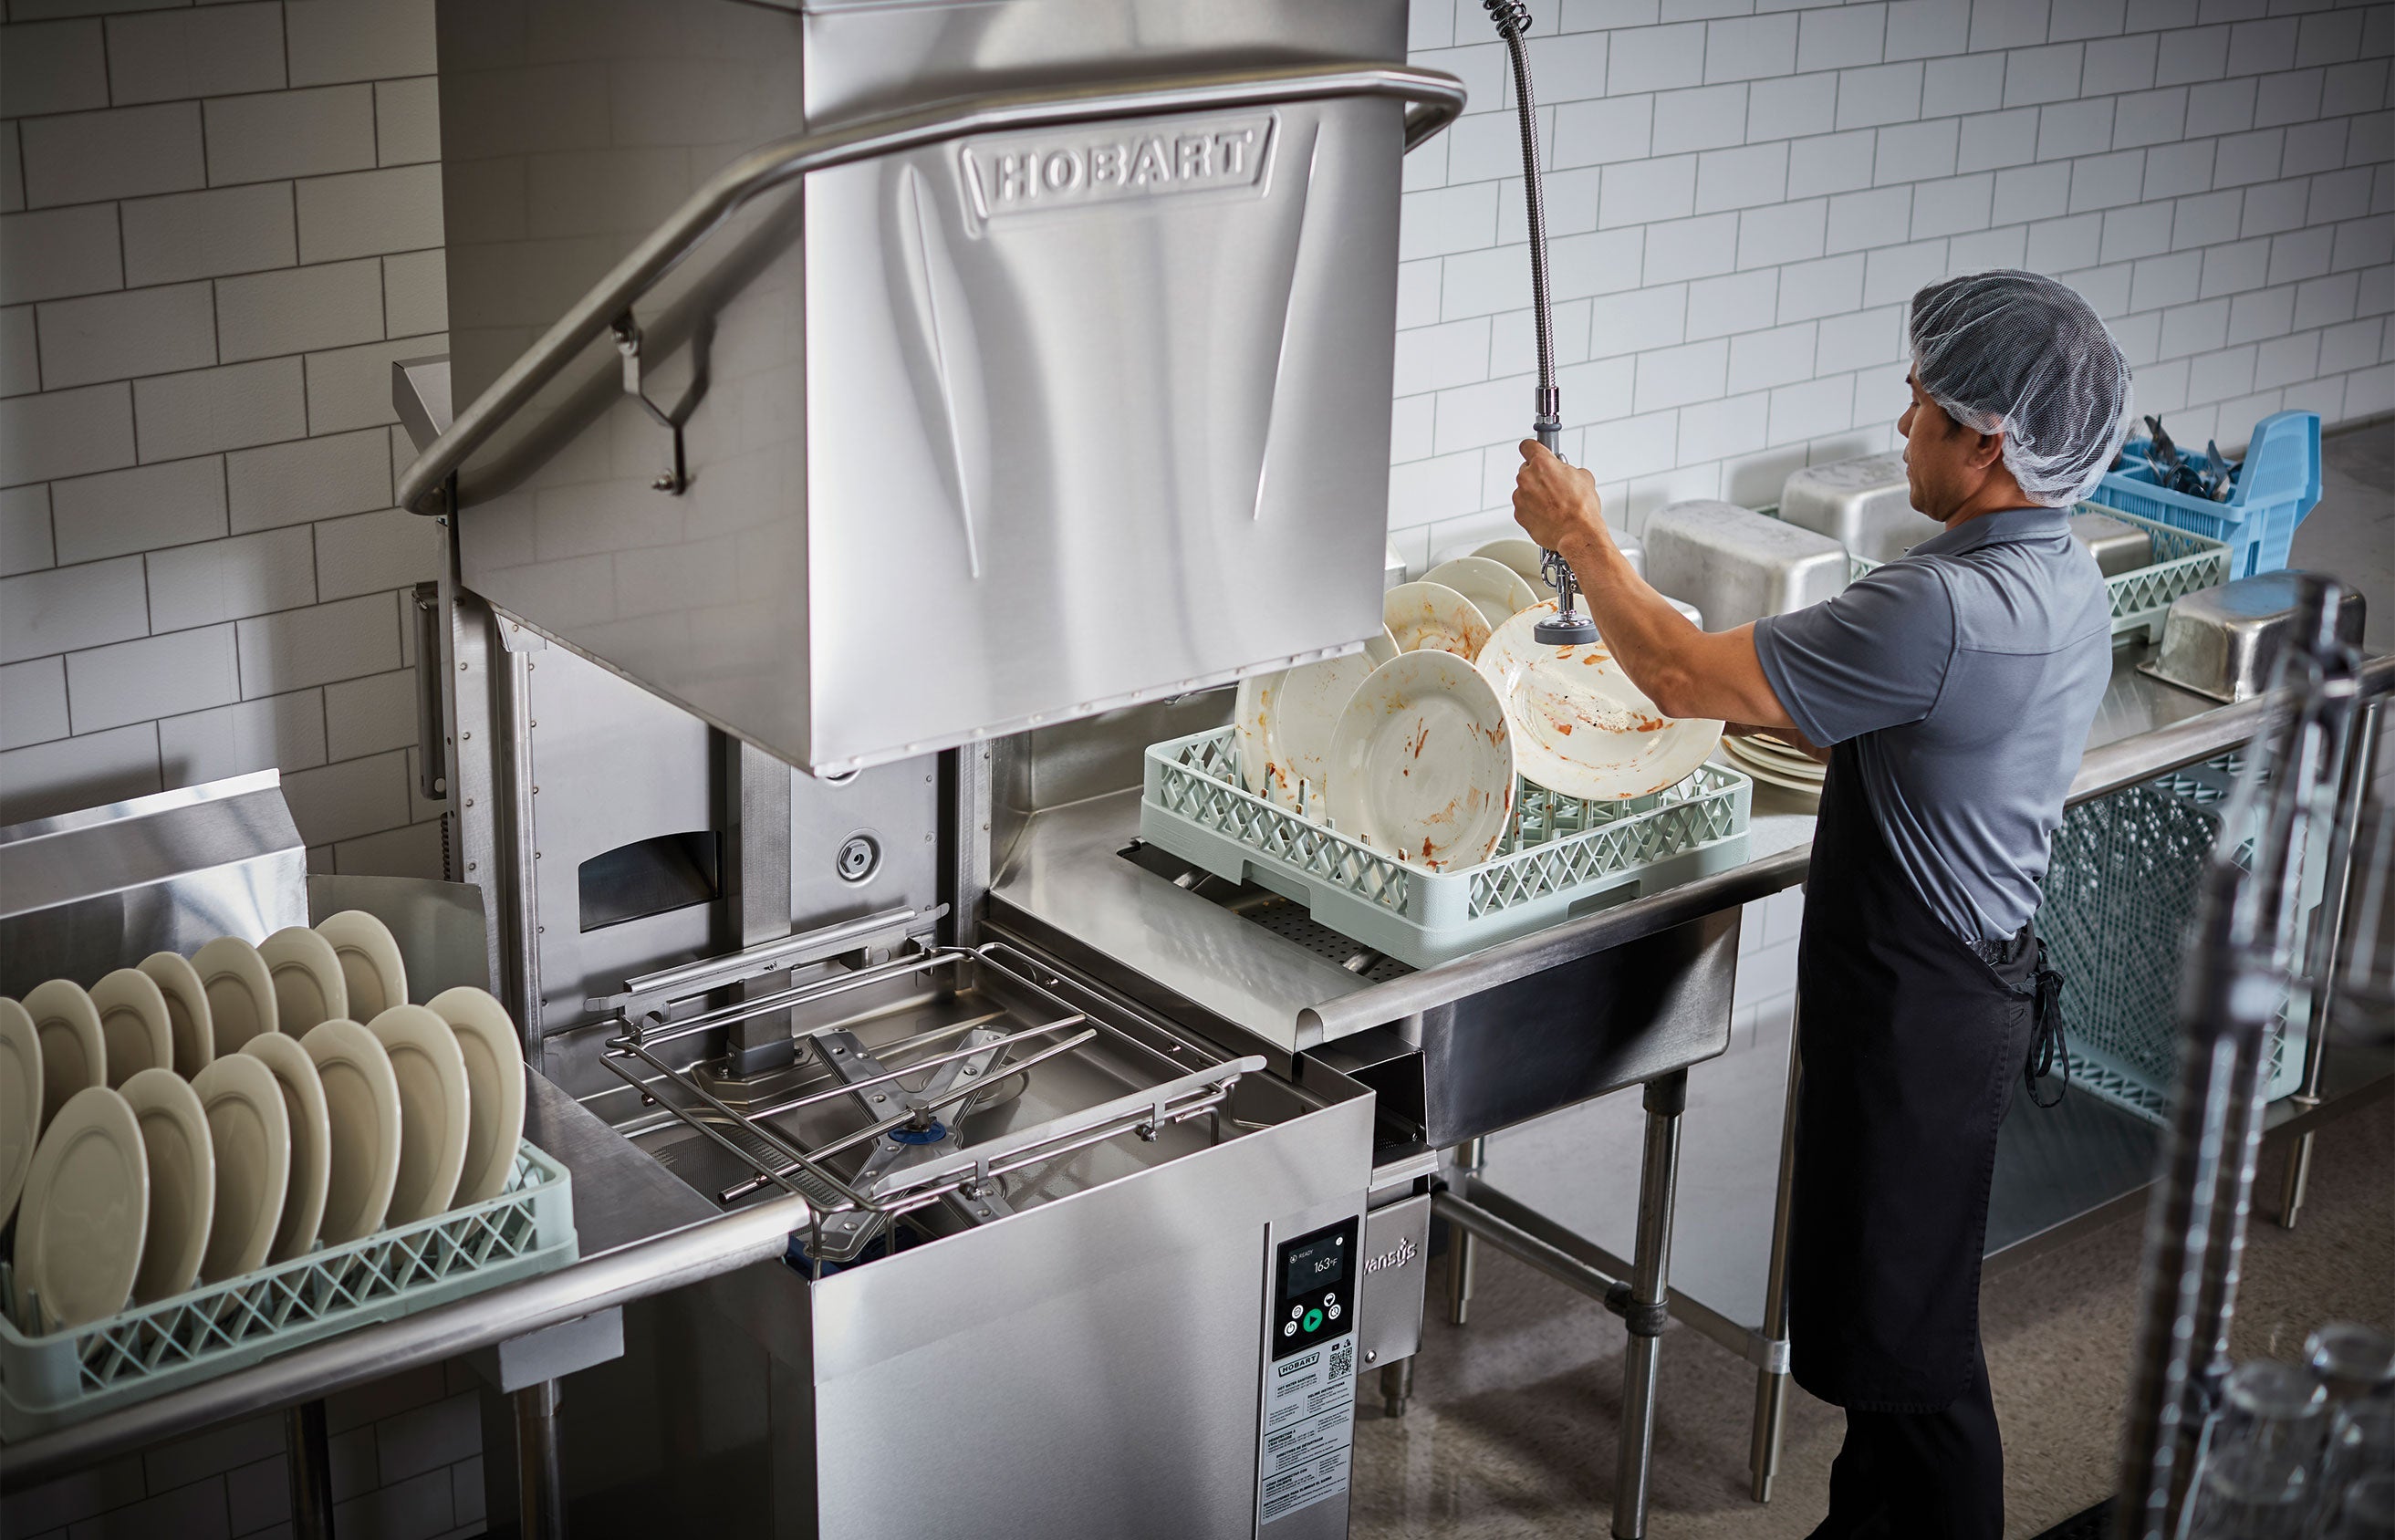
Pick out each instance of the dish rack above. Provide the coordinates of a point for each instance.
(80, 1371)
(1559, 856)
(2279, 485)
(2184, 562)
(2119, 892)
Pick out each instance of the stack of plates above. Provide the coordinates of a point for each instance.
(1770, 758)
(190, 1121)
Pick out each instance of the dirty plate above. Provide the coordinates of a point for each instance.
(1422, 767)
(1581, 727)
(1285, 720)
(1434, 617)
(1496, 590)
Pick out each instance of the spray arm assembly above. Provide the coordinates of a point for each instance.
(1566, 627)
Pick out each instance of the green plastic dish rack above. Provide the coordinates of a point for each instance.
(2184, 562)
(1560, 857)
(2119, 892)
(79, 1373)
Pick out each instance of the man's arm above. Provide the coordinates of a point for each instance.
(1686, 672)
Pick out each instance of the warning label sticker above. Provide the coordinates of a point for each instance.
(1309, 1428)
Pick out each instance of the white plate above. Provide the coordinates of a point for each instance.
(495, 1088)
(1784, 760)
(186, 1009)
(362, 1097)
(133, 1020)
(312, 1141)
(1775, 777)
(1524, 557)
(371, 967)
(182, 1161)
(1285, 718)
(20, 1101)
(1431, 615)
(1423, 765)
(1579, 727)
(435, 1109)
(309, 984)
(251, 1135)
(240, 991)
(86, 1212)
(1496, 590)
(74, 1051)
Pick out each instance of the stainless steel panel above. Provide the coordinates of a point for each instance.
(440, 927)
(979, 452)
(2223, 643)
(86, 892)
(1865, 504)
(1396, 1264)
(1738, 565)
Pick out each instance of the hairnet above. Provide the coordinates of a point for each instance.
(2020, 354)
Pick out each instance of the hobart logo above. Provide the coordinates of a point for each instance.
(1103, 164)
(1398, 1256)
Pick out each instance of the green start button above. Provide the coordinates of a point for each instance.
(1312, 1321)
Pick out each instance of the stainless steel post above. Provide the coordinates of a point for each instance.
(1771, 1377)
(2361, 760)
(758, 847)
(306, 1447)
(1397, 1388)
(540, 1484)
(1469, 1156)
(1659, 1173)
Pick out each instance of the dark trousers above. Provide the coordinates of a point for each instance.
(1921, 1475)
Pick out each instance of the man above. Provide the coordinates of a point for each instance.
(1954, 689)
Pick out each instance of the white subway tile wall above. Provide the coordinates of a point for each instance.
(217, 224)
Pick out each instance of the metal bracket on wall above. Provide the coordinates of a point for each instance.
(627, 342)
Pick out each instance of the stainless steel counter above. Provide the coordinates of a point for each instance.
(1064, 880)
(641, 1232)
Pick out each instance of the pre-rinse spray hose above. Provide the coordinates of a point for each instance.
(1566, 626)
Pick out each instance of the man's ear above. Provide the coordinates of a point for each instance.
(1987, 452)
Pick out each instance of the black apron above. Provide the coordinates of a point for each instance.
(1909, 1042)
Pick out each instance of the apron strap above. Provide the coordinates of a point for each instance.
(2045, 1044)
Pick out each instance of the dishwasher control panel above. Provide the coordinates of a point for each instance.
(1308, 1426)
(1313, 1294)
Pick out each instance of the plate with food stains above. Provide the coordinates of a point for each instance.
(1581, 727)
(1495, 590)
(1432, 616)
(1285, 720)
(1422, 767)
(1522, 557)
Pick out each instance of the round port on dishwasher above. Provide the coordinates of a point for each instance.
(859, 857)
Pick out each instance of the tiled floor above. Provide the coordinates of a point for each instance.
(1512, 1429)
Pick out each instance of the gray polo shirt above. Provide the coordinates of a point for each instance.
(1968, 673)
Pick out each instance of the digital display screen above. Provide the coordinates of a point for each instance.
(1319, 1265)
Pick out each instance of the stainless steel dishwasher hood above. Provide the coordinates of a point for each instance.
(872, 378)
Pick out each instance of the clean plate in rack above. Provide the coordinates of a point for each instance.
(250, 1134)
(371, 967)
(1496, 590)
(240, 991)
(1423, 765)
(186, 1009)
(182, 1161)
(86, 1212)
(495, 1088)
(312, 1141)
(362, 1098)
(435, 1110)
(20, 1101)
(1284, 720)
(134, 1021)
(1524, 557)
(74, 1051)
(1434, 617)
(309, 984)
(1581, 727)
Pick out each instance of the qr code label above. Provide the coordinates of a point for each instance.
(1342, 1360)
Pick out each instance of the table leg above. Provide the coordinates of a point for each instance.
(1397, 1388)
(308, 1453)
(1459, 1259)
(1771, 1373)
(1658, 1177)
(539, 1477)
